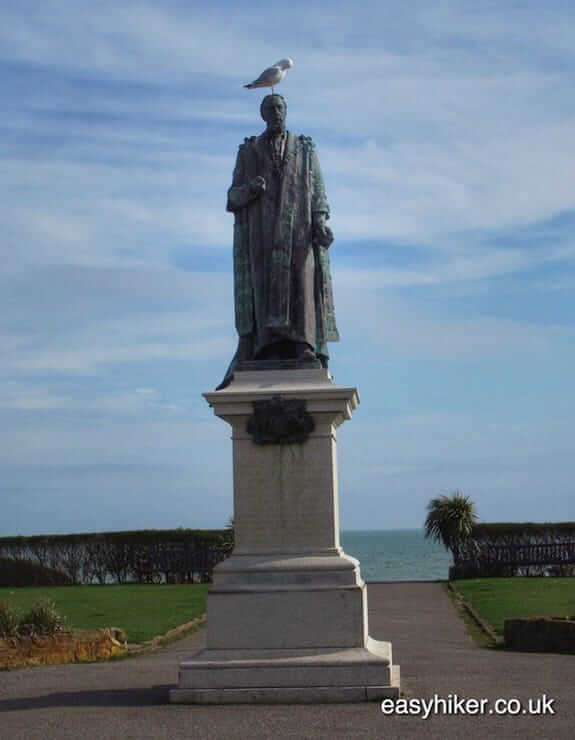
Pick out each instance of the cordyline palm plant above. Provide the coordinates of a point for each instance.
(450, 520)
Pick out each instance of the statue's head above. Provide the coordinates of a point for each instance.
(273, 110)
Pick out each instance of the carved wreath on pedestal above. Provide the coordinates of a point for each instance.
(280, 421)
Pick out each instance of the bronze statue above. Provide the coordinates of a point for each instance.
(282, 282)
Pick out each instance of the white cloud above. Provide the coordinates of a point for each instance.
(427, 188)
(383, 320)
(138, 41)
(80, 320)
(85, 350)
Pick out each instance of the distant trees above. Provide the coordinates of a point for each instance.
(450, 520)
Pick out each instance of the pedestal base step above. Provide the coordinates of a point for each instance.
(288, 676)
(283, 695)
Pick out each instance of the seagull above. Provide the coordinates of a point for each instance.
(272, 75)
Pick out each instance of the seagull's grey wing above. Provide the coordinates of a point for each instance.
(269, 76)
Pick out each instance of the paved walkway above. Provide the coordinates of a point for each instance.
(128, 699)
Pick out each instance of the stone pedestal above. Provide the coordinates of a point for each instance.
(287, 612)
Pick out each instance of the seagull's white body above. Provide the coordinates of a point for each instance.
(273, 75)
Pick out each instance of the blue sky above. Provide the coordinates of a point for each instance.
(446, 136)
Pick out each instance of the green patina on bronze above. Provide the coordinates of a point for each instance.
(282, 279)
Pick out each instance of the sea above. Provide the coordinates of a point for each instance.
(396, 555)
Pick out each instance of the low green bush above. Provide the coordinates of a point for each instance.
(9, 620)
(42, 619)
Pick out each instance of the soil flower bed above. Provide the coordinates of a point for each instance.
(78, 646)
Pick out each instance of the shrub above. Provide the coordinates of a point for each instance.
(8, 620)
(42, 619)
(16, 572)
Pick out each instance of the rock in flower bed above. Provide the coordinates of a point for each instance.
(78, 646)
(541, 634)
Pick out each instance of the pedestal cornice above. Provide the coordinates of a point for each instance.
(315, 386)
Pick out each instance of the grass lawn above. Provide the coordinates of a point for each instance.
(142, 611)
(497, 599)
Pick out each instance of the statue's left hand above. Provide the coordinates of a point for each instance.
(322, 234)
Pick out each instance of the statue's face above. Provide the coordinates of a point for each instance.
(274, 114)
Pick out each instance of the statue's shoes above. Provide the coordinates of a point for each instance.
(307, 355)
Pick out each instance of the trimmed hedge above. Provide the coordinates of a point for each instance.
(143, 556)
(505, 549)
(520, 531)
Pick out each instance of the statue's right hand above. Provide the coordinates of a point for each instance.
(258, 185)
